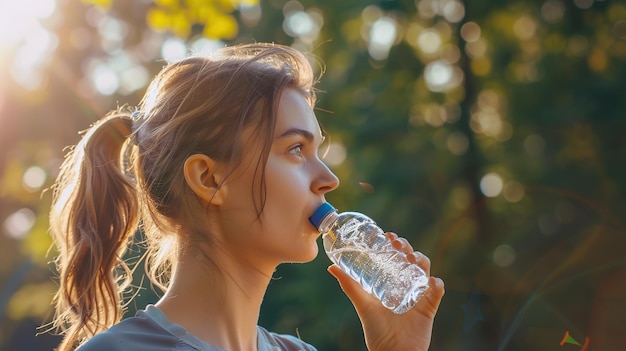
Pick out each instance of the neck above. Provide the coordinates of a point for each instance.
(218, 303)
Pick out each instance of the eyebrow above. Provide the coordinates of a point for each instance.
(297, 131)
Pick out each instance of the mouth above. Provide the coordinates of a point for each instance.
(308, 215)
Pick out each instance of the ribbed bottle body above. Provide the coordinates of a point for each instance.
(357, 245)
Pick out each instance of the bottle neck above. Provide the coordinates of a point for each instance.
(327, 223)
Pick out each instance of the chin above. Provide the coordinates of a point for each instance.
(310, 256)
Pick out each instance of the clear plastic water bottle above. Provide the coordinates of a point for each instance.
(355, 243)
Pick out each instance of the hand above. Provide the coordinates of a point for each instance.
(385, 330)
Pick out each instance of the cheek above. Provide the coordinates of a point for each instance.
(287, 190)
(287, 182)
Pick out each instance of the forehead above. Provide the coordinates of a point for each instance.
(294, 112)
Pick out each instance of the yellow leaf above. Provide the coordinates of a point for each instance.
(158, 19)
(194, 4)
(228, 5)
(181, 25)
(202, 14)
(221, 27)
(168, 3)
(237, 3)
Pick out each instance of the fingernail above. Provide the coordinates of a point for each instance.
(396, 245)
(330, 270)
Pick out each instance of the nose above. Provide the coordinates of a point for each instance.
(325, 181)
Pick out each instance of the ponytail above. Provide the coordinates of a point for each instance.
(94, 212)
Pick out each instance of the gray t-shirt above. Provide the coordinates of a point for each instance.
(149, 330)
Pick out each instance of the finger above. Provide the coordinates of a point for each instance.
(435, 293)
(391, 236)
(359, 297)
(420, 259)
(403, 245)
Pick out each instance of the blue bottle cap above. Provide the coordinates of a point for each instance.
(320, 213)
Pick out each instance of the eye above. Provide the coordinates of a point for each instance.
(296, 150)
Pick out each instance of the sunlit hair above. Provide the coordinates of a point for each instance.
(124, 172)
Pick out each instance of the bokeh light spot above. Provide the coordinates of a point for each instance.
(133, 79)
(597, 60)
(371, 13)
(173, 50)
(17, 19)
(486, 122)
(450, 53)
(205, 46)
(105, 79)
(477, 48)
(111, 29)
(453, 11)
(298, 23)
(292, 6)
(382, 37)
(429, 41)
(583, 4)
(438, 75)
(34, 178)
(503, 255)
(32, 47)
(552, 10)
(513, 191)
(336, 154)
(525, 27)
(250, 13)
(19, 223)
(457, 143)
(491, 184)
(470, 32)
(433, 114)
(426, 8)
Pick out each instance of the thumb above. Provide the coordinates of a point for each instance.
(359, 297)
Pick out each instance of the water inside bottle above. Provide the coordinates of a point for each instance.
(362, 251)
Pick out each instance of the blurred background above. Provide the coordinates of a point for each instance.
(491, 134)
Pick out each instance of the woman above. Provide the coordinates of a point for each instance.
(221, 171)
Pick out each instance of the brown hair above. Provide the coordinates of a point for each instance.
(127, 171)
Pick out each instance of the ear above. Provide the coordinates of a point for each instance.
(202, 177)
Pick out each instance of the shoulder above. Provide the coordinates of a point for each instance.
(134, 333)
(282, 342)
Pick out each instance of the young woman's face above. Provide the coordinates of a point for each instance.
(296, 181)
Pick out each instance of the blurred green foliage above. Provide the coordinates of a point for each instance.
(490, 134)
